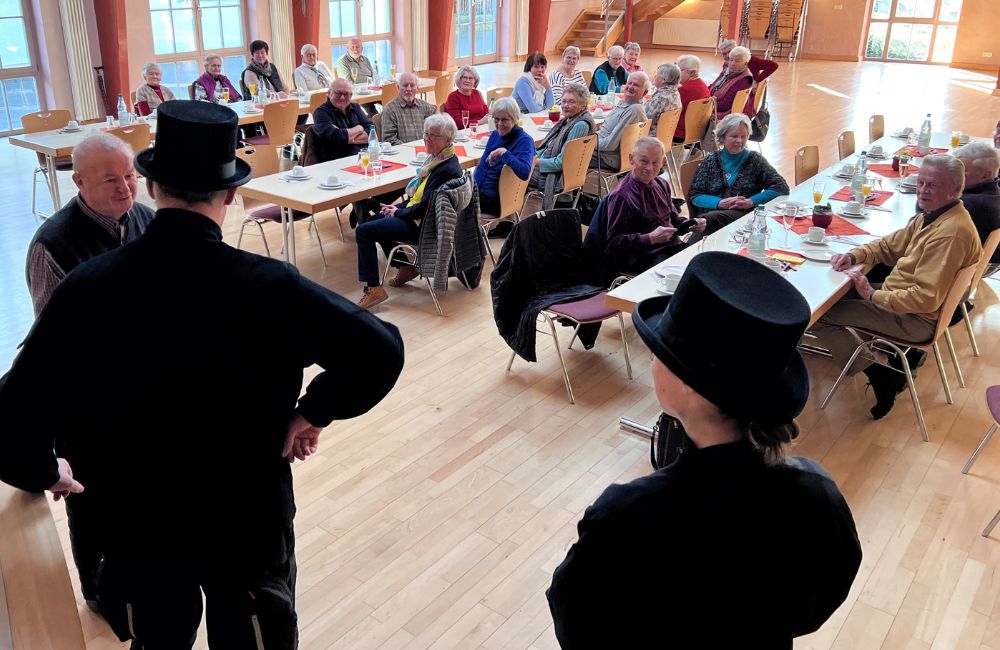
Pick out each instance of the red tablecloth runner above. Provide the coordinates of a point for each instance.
(386, 167)
(839, 226)
(914, 150)
(483, 134)
(875, 198)
(888, 172)
(459, 149)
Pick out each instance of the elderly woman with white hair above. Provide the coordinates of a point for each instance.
(692, 88)
(401, 222)
(981, 195)
(734, 180)
(665, 98)
(566, 73)
(631, 60)
(508, 145)
(465, 97)
(151, 94)
(610, 75)
(759, 67)
(313, 73)
(737, 78)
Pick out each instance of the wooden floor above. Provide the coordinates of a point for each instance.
(435, 521)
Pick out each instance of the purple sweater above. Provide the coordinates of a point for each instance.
(634, 211)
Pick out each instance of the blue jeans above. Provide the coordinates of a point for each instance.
(387, 232)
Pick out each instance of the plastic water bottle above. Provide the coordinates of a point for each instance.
(123, 114)
(858, 179)
(374, 151)
(924, 141)
(757, 243)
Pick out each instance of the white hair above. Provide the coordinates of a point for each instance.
(444, 123)
(949, 164)
(632, 46)
(740, 52)
(463, 70)
(149, 66)
(307, 47)
(572, 49)
(98, 143)
(980, 157)
(689, 62)
(579, 90)
(731, 122)
(506, 105)
(727, 43)
(616, 50)
(645, 79)
(212, 57)
(649, 141)
(668, 74)
(408, 74)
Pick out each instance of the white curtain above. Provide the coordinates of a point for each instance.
(418, 27)
(282, 41)
(86, 103)
(522, 28)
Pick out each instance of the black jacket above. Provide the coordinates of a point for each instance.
(717, 550)
(146, 364)
(330, 126)
(448, 170)
(983, 203)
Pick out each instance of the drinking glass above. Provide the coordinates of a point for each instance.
(364, 160)
(225, 95)
(376, 167)
(819, 188)
(370, 83)
(904, 165)
(392, 70)
(251, 87)
(465, 119)
(956, 139)
(866, 189)
(788, 214)
(354, 74)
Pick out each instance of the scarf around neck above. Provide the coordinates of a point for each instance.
(425, 171)
(537, 90)
(268, 72)
(553, 143)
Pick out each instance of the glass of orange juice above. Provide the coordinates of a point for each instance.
(956, 139)
(253, 89)
(819, 188)
(225, 95)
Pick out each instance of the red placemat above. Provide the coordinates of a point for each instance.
(538, 120)
(459, 149)
(888, 172)
(386, 167)
(914, 150)
(875, 198)
(839, 226)
(483, 134)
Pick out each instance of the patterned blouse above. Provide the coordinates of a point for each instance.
(663, 100)
(557, 79)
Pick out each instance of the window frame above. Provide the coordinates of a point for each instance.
(29, 71)
(934, 21)
(333, 41)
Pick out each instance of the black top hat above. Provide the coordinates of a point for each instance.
(730, 332)
(195, 148)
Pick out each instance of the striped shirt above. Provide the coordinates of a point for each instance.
(557, 80)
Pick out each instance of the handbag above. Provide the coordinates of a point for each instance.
(668, 441)
(761, 122)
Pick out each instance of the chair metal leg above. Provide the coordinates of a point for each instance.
(968, 327)
(628, 361)
(944, 377)
(912, 386)
(576, 332)
(843, 373)
(486, 238)
(340, 227)
(434, 297)
(511, 362)
(388, 260)
(322, 253)
(954, 358)
(555, 340)
(979, 448)
(990, 526)
(239, 239)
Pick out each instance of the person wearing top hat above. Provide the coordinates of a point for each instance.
(143, 365)
(732, 545)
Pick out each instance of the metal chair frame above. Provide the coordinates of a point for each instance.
(989, 248)
(412, 260)
(33, 123)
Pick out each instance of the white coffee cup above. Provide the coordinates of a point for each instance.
(671, 280)
(875, 150)
(332, 180)
(964, 138)
(548, 124)
(908, 130)
(598, 111)
(421, 157)
(816, 234)
(73, 124)
(853, 207)
(847, 169)
(386, 147)
(298, 171)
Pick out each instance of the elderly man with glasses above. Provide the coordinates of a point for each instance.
(341, 126)
(313, 73)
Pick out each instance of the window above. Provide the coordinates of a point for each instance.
(185, 31)
(18, 84)
(371, 20)
(907, 30)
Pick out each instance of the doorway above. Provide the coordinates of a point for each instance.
(475, 31)
(915, 31)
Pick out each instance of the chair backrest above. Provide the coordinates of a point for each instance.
(279, 119)
(688, 170)
(497, 93)
(699, 112)
(134, 109)
(191, 90)
(740, 101)
(576, 160)
(441, 108)
(806, 163)
(666, 124)
(45, 120)
(390, 91)
(263, 160)
(442, 87)
(758, 96)
(876, 127)
(316, 100)
(377, 121)
(136, 135)
(956, 294)
(845, 144)
(630, 134)
(512, 191)
(588, 76)
(989, 248)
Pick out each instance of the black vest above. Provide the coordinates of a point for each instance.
(618, 77)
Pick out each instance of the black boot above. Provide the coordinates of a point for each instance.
(886, 384)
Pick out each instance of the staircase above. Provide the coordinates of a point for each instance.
(587, 31)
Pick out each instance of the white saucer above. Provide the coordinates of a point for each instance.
(324, 186)
(542, 127)
(479, 145)
(462, 139)
(663, 291)
(364, 93)
(252, 111)
(68, 130)
(806, 242)
(417, 163)
(669, 268)
(390, 152)
(857, 215)
(816, 254)
(289, 177)
(907, 189)
(842, 175)
(878, 156)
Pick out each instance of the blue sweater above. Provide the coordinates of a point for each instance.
(525, 97)
(520, 155)
(732, 163)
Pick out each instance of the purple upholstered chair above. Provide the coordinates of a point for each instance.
(993, 402)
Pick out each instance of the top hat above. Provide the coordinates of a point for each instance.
(730, 332)
(195, 148)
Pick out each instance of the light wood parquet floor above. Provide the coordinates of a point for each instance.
(435, 520)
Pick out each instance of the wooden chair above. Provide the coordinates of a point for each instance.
(390, 91)
(696, 119)
(191, 90)
(845, 144)
(512, 193)
(136, 135)
(740, 101)
(876, 127)
(263, 160)
(806, 163)
(444, 85)
(666, 125)
(588, 76)
(377, 121)
(687, 173)
(316, 100)
(497, 93)
(759, 95)
(46, 121)
(576, 161)
(134, 109)
(989, 248)
(279, 120)
(957, 292)
(630, 134)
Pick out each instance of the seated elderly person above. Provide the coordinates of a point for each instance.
(981, 196)
(313, 73)
(401, 223)
(665, 98)
(340, 126)
(151, 94)
(692, 88)
(465, 97)
(566, 73)
(355, 67)
(736, 78)
(643, 223)
(403, 118)
(532, 91)
(631, 60)
(610, 75)
(576, 122)
(213, 86)
(261, 73)
(628, 111)
(759, 67)
(925, 256)
(996, 135)
(733, 180)
(509, 145)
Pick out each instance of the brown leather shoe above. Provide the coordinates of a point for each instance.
(403, 275)
(372, 296)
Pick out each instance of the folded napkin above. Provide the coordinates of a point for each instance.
(839, 226)
(875, 198)
(386, 167)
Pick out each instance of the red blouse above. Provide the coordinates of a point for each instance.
(474, 103)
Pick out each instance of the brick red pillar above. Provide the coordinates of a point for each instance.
(735, 16)
(113, 39)
(440, 28)
(627, 21)
(538, 24)
(305, 25)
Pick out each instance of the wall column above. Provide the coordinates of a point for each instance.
(440, 26)
(538, 24)
(305, 25)
(735, 17)
(996, 91)
(113, 38)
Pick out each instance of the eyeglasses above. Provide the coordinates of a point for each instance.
(342, 93)
(428, 135)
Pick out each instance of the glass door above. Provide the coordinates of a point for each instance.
(475, 31)
(916, 31)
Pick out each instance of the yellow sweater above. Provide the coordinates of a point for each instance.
(924, 261)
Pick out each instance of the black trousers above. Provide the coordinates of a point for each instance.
(160, 607)
(367, 209)
(716, 220)
(83, 541)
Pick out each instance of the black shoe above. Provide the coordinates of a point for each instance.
(886, 384)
